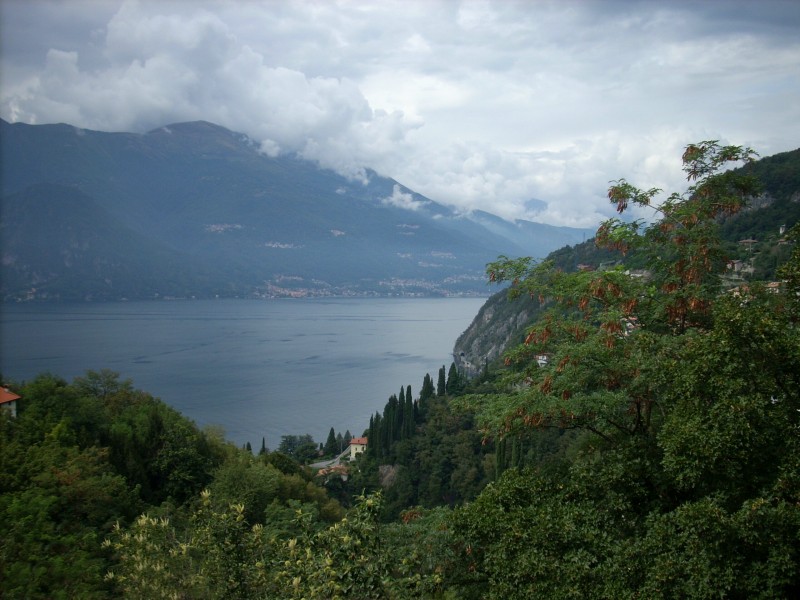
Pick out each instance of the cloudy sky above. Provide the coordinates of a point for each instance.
(526, 109)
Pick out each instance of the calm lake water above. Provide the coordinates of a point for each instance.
(256, 368)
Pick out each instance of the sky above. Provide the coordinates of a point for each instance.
(525, 109)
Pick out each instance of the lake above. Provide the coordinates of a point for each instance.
(256, 368)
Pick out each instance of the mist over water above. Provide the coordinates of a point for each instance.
(256, 368)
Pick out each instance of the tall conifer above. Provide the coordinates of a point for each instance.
(408, 416)
(453, 384)
(441, 385)
(331, 445)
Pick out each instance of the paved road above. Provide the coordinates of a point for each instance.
(331, 462)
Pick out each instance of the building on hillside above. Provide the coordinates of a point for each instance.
(358, 445)
(334, 471)
(748, 243)
(8, 400)
(629, 325)
(735, 265)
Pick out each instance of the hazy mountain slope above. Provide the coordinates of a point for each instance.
(59, 244)
(266, 225)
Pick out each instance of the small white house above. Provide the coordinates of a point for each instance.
(8, 400)
(357, 446)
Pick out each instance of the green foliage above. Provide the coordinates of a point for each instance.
(779, 183)
(217, 556)
(342, 561)
(525, 537)
(331, 445)
(441, 385)
(427, 392)
(84, 458)
(220, 556)
(53, 516)
(685, 484)
(244, 480)
(78, 458)
(736, 399)
(592, 360)
(441, 460)
(779, 174)
(790, 275)
(455, 382)
(300, 447)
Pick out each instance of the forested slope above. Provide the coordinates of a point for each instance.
(82, 458)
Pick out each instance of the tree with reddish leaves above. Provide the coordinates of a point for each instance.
(683, 479)
(594, 360)
(683, 248)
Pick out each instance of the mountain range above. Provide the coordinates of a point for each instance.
(196, 210)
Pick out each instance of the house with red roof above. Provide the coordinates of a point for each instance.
(358, 445)
(8, 400)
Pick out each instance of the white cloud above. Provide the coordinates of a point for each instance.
(482, 105)
(401, 199)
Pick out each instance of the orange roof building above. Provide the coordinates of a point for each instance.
(8, 400)
(357, 446)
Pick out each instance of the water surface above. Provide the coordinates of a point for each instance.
(256, 368)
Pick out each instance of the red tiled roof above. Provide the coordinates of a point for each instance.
(361, 440)
(333, 470)
(7, 396)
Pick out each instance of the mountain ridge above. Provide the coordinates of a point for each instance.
(240, 222)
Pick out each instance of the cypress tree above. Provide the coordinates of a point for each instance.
(263, 446)
(377, 443)
(426, 393)
(516, 453)
(401, 415)
(408, 416)
(500, 457)
(371, 437)
(441, 386)
(390, 423)
(452, 386)
(330, 444)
